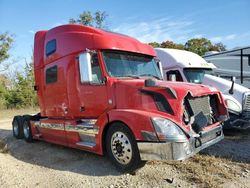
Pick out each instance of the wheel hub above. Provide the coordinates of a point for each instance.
(121, 147)
(26, 130)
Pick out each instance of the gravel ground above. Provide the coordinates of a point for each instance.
(41, 164)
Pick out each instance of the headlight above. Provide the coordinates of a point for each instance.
(167, 130)
(231, 105)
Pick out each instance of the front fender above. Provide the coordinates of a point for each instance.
(137, 120)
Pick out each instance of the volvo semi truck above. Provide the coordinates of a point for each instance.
(102, 92)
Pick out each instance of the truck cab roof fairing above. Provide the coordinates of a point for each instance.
(72, 38)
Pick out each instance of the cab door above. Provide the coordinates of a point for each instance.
(92, 94)
(56, 102)
(88, 100)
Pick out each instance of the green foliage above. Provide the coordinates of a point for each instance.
(100, 18)
(5, 44)
(197, 45)
(96, 19)
(3, 92)
(21, 93)
(6, 41)
(155, 44)
(167, 44)
(171, 44)
(218, 47)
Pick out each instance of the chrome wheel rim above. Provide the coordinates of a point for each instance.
(121, 148)
(15, 128)
(26, 129)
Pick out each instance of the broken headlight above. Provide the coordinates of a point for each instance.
(167, 130)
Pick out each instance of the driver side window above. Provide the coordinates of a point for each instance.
(96, 70)
(176, 73)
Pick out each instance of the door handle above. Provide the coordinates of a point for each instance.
(82, 108)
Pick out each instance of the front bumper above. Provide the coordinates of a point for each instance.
(179, 150)
(237, 121)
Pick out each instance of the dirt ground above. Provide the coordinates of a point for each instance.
(40, 164)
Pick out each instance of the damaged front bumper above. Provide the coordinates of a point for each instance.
(179, 150)
(238, 121)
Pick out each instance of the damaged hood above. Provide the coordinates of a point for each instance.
(161, 97)
(183, 88)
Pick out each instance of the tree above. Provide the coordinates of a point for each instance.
(171, 44)
(198, 45)
(167, 44)
(96, 19)
(155, 44)
(22, 93)
(218, 47)
(6, 41)
(3, 91)
(100, 18)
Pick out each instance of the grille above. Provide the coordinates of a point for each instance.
(246, 101)
(246, 106)
(200, 104)
(202, 109)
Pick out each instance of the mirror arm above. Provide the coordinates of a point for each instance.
(231, 90)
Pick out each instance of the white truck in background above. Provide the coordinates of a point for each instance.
(184, 66)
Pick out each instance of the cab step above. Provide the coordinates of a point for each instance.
(86, 144)
(37, 135)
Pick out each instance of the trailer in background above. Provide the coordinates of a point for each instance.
(232, 63)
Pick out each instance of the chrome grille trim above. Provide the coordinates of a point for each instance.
(246, 102)
(200, 104)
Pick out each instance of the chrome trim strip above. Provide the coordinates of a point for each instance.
(87, 127)
(55, 126)
(82, 129)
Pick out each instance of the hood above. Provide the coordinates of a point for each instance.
(133, 94)
(183, 88)
(180, 88)
(224, 86)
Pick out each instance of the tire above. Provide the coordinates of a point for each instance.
(122, 149)
(27, 133)
(17, 127)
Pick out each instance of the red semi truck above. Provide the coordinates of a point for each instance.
(102, 92)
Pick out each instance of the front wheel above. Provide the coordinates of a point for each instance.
(122, 148)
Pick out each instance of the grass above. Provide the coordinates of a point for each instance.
(10, 113)
(208, 171)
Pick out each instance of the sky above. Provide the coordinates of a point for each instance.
(226, 21)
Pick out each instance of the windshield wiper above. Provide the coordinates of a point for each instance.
(151, 75)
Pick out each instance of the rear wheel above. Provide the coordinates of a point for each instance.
(17, 127)
(27, 133)
(122, 148)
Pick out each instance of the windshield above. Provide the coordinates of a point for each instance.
(127, 64)
(195, 75)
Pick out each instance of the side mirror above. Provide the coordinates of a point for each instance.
(231, 90)
(35, 88)
(85, 67)
(172, 77)
(159, 65)
(233, 78)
